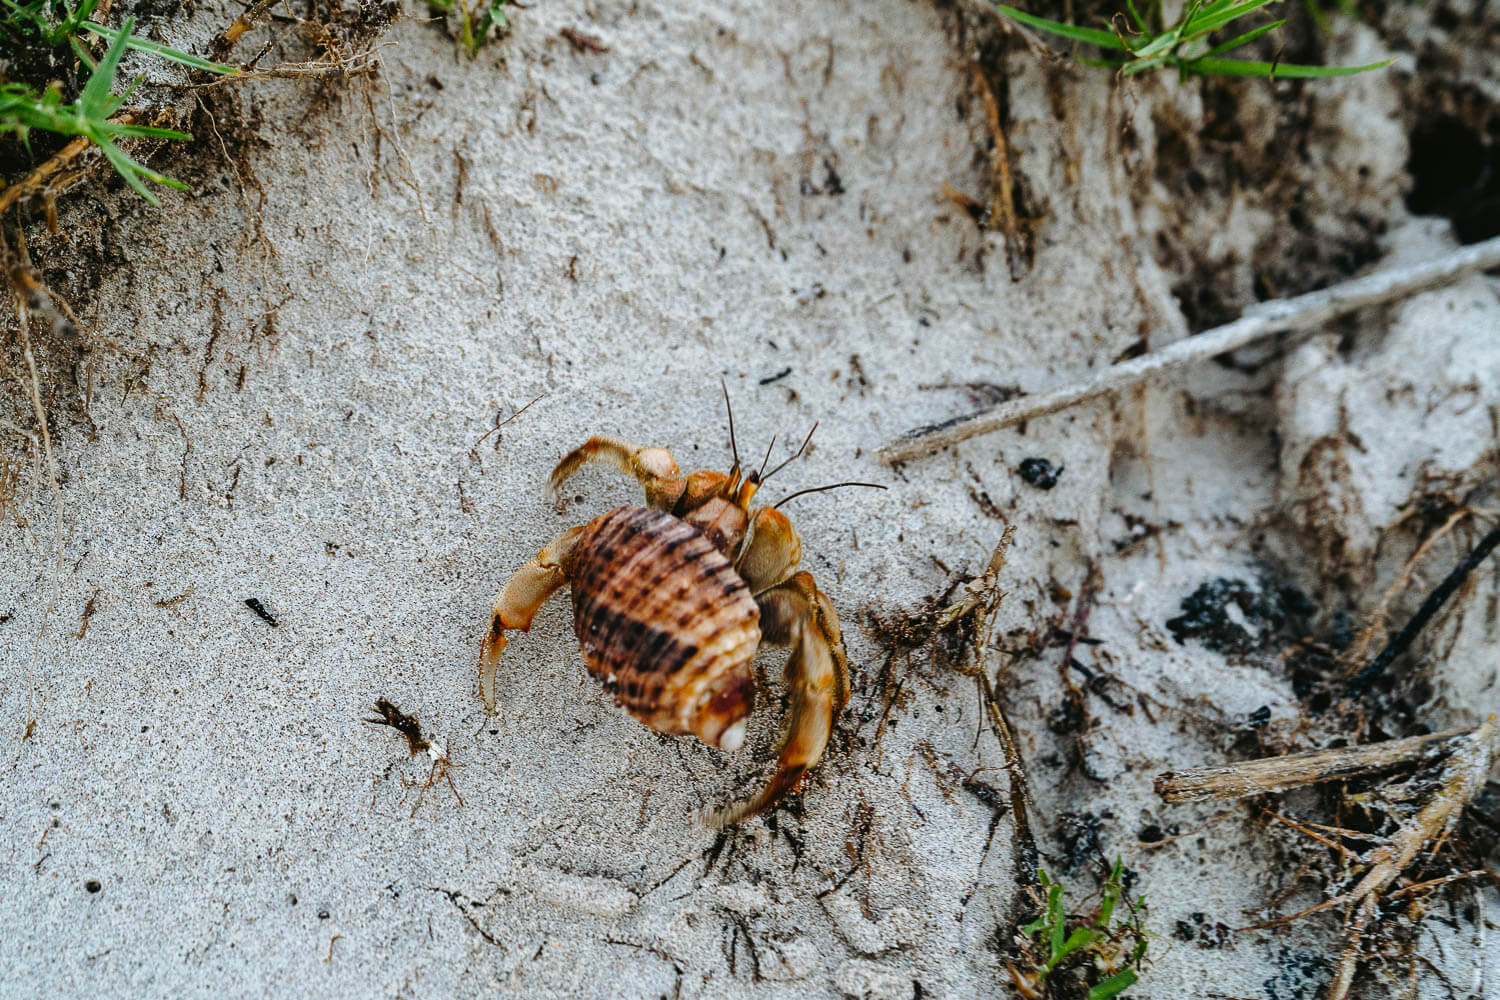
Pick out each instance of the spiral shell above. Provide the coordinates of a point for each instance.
(666, 623)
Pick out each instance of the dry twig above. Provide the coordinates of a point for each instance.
(1470, 753)
(981, 597)
(1300, 313)
(1279, 774)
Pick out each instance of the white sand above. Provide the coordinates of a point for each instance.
(631, 227)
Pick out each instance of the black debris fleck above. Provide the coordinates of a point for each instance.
(1079, 833)
(1066, 717)
(1239, 616)
(777, 377)
(1039, 472)
(260, 611)
(832, 183)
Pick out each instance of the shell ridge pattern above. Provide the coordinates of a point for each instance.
(650, 593)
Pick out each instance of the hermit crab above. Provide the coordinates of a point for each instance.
(671, 602)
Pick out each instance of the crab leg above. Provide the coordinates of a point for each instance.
(518, 602)
(771, 551)
(797, 614)
(653, 468)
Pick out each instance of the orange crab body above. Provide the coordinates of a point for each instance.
(671, 602)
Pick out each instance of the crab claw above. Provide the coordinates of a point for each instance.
(818, 682)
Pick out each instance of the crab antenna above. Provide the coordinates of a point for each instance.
(763, 461)
(794, 457)
(820, 489)
(733, 447)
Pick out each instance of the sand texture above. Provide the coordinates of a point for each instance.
(311, 405)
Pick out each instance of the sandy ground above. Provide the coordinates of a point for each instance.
(307, 418)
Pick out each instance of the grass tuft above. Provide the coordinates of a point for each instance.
(1102, 951)
(475, 23)
(1146, 43)
(52, 33)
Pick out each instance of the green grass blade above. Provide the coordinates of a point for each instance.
(1089, 36)
(1057, 919)
(1162, 45)
(1211, 23)
(1083, 937)
(95, 99)
(1192, 9)
(1221, 8)
(1240, 67)
(1114, 985)
(1107, 903)
(125, 167)
(1244, 39)
(1142, 65)
(148, 132)
(164, 51)
(133, 170)
(1220, 14)
(466, 35)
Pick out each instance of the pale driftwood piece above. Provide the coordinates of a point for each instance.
(1281, 316)
(1278, 774)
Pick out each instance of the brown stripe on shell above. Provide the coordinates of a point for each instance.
(660, 614)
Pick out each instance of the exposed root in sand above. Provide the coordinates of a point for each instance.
(1286, 315)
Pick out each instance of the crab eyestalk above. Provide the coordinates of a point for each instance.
(746, 492)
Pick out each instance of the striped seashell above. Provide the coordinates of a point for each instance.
(666, 623)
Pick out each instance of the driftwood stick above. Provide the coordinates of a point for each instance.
(1280, 316)
(1277, 774)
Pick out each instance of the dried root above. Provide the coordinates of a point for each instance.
(1465, 774)
(30, 294)
(1425, 806)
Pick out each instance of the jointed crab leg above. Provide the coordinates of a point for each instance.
(518, 602)
(797, 614)
(771, 551)
(653, 468)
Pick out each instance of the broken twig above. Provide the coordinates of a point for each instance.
(1299, 313)
(1278, 774)
(982, 596)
